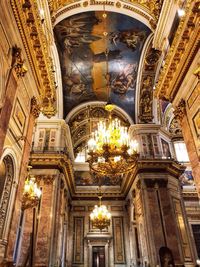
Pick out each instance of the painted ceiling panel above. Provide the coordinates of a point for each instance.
(82, 44)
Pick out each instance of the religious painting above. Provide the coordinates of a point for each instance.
(99, 58)
(85, 178)
(165, 148)
(196, 121)
(19, 116)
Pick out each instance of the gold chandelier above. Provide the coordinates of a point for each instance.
(100, 216)
(110, 150)
(31, 194)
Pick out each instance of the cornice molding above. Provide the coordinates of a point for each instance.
(150, 10)
(180, 111)
(182, 52)
(62, 162)
(37, 50)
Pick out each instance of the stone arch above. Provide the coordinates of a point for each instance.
(7, 174)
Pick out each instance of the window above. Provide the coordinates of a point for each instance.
(81, 156)
(181, 152)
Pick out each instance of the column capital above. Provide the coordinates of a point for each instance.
(47, 179)
(35, 107)
(17, 62)
(180, 110)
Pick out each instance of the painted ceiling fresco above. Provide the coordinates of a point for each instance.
(82, 47)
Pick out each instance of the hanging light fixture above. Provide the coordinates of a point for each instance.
(111, 151)
(31, 193)
(100, 216)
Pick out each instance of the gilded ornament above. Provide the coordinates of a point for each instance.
(184, 48)
(37, 49)
(17, 62)
(85, 4)
(35, 108)
(180, 111)
(197, 72)
(118, 4)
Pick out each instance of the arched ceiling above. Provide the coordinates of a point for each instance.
(81, 45)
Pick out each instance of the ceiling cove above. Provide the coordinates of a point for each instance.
(81, 46)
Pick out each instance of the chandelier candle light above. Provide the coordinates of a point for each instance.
(110, 149)
(31, 194)
(100, 216)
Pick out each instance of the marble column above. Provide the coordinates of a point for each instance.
(17, 70)
(6, 110)
(161, 220)
(45, 221)
(181, 114)
(34, 113)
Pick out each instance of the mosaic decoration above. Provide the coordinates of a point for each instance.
(82, 45)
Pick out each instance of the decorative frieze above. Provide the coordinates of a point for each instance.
(149, 10)
(37, 49)
(5, 197)
(147, 83)
(182, 52)
(47, 179)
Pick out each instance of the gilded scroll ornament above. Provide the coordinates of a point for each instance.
(5, 196)
(17, 62)
(47, 179)
(146, 90)
(146, 98)
(180, 111)
(35, 108)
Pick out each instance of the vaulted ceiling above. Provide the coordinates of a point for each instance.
(82, 42)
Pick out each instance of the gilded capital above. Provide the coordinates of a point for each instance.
(180, 110)
(17, 62)
(47, 179)
(35, 107)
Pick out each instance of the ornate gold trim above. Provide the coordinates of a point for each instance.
(182, 52)
(180, 111)
(17, 62)
(35, 108)
(37, 50)
(150, 10)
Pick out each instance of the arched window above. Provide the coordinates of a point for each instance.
(181, 151)
(6, 181)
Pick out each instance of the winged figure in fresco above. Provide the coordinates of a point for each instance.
(124, 80)
(75, 32)
(132, 38)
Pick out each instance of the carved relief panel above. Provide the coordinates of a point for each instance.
(6, 187)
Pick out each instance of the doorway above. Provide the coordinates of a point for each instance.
(98, 256)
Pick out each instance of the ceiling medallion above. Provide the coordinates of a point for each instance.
(100, 216)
